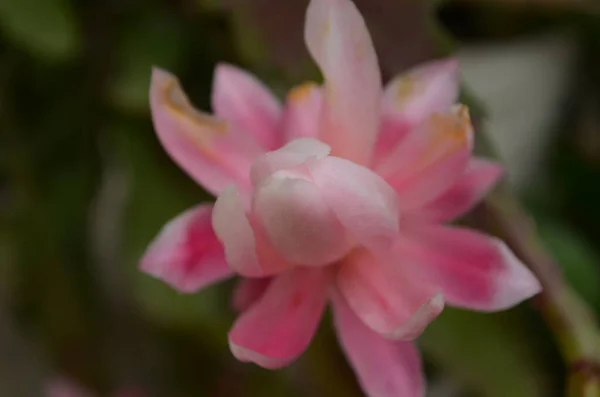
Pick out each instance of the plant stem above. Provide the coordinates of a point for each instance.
(567, 315)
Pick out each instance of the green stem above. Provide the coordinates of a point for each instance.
(566, 314)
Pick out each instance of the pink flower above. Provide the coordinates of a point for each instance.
(339, 195)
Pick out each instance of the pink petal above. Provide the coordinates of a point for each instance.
(289, 156)
(386, 296)
(426, 89)
(384, 368)
(411, 97)
(186, 253)
(248, 291)
(211, 151)
(471, 269)
(430, 159)
(339, 42)
(303, 112)
(391, 131)
(241, 99)
(275, 330)
(364, 203)
(477, 180)
(298, 221)
(246, 250)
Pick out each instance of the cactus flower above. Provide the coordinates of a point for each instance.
(342, 194)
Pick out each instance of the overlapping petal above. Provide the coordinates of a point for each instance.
(302, 116)
(364, 203)
(387, 296)
(278, 327)
(247, 250)
(472, 270)
(430, 159)
(210, 150)
(242, 100)
(384, 368)
(477, 180)
(289, 156)
(299, 221)
(339, 42)
(410, 98)
(186, 253)
(247, 291)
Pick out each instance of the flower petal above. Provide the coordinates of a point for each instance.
(364, 203)
(186, 253)
(471, 269)
(387, 297)
(411, 97)
(339, 42)
(208, 149)
(242, 100)
(430, 159)
(384, 368)
(478, 179)
(298, 221)
(279, 326)
(247, 291)
(429, 88)
(291, 155)
(303, 112)
(246, 250)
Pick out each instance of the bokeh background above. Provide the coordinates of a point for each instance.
(84, 186)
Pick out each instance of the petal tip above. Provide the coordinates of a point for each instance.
(413, 328)
(246, 355)
(522, 283)
(160, 75)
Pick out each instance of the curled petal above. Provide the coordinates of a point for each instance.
(186, 253)
(479, 177)
(303, 112)
(211, 151)
(248, 291)
(246, 250)
(384, 368)
(241, 99)
(298, 221)
(339, 42)
(291, 155)
(472, 270)
(387, 297)
(277, 328)
(364, 203)
(430, 159)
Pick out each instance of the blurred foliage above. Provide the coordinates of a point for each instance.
(85, 186)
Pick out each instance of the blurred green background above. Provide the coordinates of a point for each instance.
(84, 186)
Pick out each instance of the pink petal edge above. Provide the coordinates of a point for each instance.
(384, 368)
(186, 253)
(278, 327)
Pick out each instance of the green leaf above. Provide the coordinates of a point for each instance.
(46, 28)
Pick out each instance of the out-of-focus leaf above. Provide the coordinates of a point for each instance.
(46, 28)
(493, 354)
(159, 192)
(154, 40)
(579, 262)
